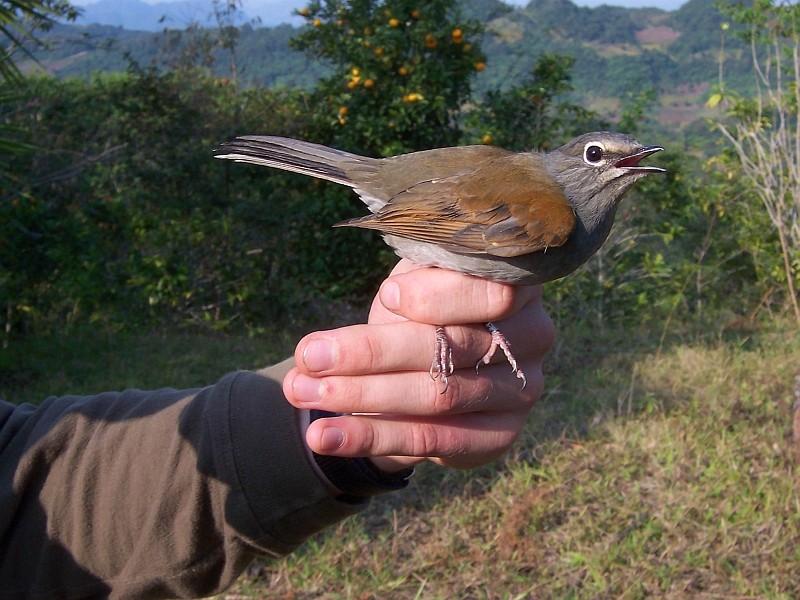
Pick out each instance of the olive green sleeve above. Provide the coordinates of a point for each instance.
(155, 494)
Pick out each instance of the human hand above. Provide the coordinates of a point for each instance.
(378, 373)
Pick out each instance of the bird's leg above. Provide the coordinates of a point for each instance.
(442, 365)
(500, 341)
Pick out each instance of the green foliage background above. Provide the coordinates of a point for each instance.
(117, 213)
(120, 213)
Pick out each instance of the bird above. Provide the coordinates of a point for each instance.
(522, 218)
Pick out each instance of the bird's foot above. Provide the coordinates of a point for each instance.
(442, 365)
(500, 341)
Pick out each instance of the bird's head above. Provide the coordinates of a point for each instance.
(596, 169)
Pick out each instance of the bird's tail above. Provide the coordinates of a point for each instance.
(297, 156)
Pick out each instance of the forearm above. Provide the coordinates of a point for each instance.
(164, 494)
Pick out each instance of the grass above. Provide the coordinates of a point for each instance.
(88, 360)
(643, 472)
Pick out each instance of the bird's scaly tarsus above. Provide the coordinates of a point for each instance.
(442, 365)
(500, 341)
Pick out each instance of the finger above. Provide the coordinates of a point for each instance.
(443, 297)
(378, 312)
(462, 441)
(495, 388)
(409, 346)
(370, 349)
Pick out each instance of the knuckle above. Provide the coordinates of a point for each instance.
(469, 343)
(463, 394)
(362, 349)
(368, 439)
(370, 352)
(500, 298)
(444, 403)
(424, 440)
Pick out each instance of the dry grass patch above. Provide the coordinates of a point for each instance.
(642, 474)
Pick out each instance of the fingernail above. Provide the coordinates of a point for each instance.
(319, 355)
(332, 438)
(390, 295)
(307, 389)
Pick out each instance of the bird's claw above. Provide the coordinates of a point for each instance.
(500, 341)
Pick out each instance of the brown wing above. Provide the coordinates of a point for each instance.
(508, 206)
(397, 174)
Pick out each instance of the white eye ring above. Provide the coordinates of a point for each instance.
(593, 153)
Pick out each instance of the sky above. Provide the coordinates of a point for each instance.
(273, 12)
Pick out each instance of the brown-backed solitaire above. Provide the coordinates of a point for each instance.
(523, 218)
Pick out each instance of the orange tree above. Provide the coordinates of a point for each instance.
(402, 70)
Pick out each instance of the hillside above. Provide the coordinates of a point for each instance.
(619, 52)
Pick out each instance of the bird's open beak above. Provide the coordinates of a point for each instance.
(631, 162)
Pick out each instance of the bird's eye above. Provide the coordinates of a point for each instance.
(593, 153)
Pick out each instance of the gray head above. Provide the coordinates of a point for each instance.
(595, 170)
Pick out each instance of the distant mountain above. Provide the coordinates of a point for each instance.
(619, 52)
(139, 16)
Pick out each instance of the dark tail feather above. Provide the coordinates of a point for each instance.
(292, 155)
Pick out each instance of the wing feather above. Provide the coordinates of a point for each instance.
(507, 207)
